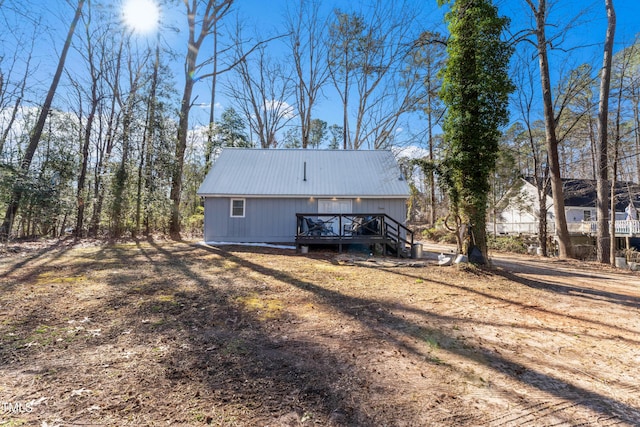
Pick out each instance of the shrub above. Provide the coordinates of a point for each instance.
(584, 252)
(438, 234)
(515, 244)
(195, 223)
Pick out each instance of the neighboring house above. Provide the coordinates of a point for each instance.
(520, 209)
(255, 195)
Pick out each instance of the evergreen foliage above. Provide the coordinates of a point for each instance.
(476, 87)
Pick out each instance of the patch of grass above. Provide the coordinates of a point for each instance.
(50, 278)
(13, 423)
(167, 298)
(42, 329)
(435, 360)
(432, 342)
(267, 308)
(235, 347)
(42, 335)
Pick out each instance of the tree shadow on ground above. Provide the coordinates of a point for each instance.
(387, 320)
(246, 363)
(542, 286)
(577, 291)
(58, 247)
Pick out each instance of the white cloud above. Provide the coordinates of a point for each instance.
(282, 107)
(410, 151)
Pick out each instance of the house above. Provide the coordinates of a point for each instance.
(520, 209)
(276, 195)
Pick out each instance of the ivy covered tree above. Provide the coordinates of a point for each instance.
(476, 88)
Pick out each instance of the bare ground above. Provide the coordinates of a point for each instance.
(163, 333)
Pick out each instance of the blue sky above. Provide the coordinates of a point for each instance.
(586, 37)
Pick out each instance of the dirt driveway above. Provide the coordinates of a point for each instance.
(176, 333)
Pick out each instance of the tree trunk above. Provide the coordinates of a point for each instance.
(542, 218)
(603, 241)
(147, 140)
(345, 110)
(212, 108)
(213, 10)
(562, 231)
(85, 159)
(636, 134)
(181, 145)
(16, 105)
(612, 213)
(432, 178)
(83, 172)
(16, 194)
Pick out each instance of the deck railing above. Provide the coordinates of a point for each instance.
(340, 228)
(624, 228)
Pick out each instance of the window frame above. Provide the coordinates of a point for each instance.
(231, 207)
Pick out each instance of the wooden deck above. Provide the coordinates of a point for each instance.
(349, 229)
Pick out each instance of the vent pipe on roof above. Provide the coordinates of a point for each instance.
(305, 171)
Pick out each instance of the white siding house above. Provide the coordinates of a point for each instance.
(521, 208)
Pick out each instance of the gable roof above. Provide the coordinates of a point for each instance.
(582, 193)
(282, 172)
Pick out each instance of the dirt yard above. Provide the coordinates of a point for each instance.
(164, 333)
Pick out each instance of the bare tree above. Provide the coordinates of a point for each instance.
(540, 14)
(212, 108)
(261, 93)
(108, 120)
(144, 161)
(429, 56)
(93, 55)
(12, 93)
(202, 17)
(307, 33)
(385, 88)
(603, 241)
(127, 101)
(14, 203)
(633, 94)
(525, 89)
(368, 56)
(345, 33)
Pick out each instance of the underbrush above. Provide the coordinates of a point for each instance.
(438, 234)
(514, 244)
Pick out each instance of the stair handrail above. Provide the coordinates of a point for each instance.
(389, 227)
(398, 235)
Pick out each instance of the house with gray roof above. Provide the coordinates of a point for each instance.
(269, 195)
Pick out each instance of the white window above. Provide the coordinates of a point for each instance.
(237, 208)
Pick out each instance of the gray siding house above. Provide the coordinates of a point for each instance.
(253, 195)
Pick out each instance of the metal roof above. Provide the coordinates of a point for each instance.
(282, 173)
